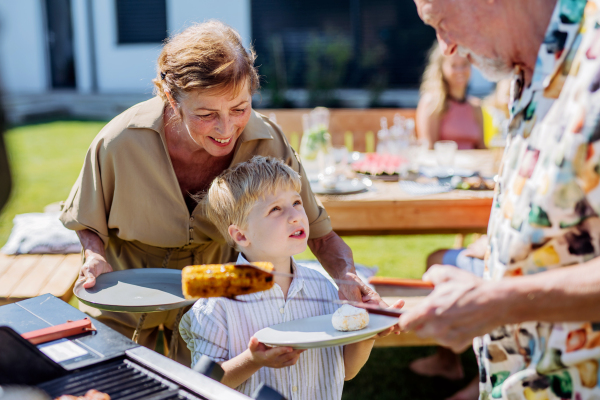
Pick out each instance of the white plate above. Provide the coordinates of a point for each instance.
(135, 290)
(318, 332)
(442, 172)
(343, 187)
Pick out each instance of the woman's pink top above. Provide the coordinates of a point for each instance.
(460, 125)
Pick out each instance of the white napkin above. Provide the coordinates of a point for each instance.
(40, 233)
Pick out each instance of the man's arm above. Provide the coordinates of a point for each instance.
(463, 306)
(336, 257)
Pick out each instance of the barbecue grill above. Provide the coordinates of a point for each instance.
(103, 360)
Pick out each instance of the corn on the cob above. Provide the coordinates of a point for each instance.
(226, 280)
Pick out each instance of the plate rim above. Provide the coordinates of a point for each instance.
(329, 342)
(334, 192)
(136, 309)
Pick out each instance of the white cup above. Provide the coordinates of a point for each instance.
(445, 150)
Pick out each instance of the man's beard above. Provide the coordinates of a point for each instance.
(493, 69)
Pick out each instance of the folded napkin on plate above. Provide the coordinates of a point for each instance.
(40, 233)
(420, 189)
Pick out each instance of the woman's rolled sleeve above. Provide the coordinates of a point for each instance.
(204, 329)
(86, 207)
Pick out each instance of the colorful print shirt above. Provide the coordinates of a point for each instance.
(546, 211)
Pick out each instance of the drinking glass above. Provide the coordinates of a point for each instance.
(340, 155)
(445, 150)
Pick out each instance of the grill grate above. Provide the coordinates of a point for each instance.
(121, 380)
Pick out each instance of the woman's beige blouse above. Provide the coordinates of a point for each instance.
(128, 194)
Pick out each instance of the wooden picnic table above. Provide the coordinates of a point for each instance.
(404, 339)
(31, 275)
(386, 209)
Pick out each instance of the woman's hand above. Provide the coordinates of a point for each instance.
(369, 296)
(94, 266)
(461, 307)
(336, 257)
(272, 357)
(95, 261)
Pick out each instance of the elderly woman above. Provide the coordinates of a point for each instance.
(444, 111)
(133, 204)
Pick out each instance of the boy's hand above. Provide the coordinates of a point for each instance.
(272, 357)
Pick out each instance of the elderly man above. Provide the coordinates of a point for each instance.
(542, 276)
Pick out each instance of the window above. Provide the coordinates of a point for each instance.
(386, 39)
(141, 21)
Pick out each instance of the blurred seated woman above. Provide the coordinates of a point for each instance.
(444, 111)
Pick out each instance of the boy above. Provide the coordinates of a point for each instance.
(258, 209)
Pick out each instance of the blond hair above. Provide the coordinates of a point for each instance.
(433, 83)
(207, 56)
(232, 194)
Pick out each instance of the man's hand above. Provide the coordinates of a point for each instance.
(93, 267)
(272, 357)
(461, 307)
(369, 296)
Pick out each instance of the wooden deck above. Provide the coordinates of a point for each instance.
(30, 275)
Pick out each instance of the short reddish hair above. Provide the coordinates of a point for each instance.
(207, 56)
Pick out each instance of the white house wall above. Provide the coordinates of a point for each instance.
(81, 44)
(130, 68)
(126, 68)
(23, 54)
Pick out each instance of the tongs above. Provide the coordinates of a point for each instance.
(370, 308)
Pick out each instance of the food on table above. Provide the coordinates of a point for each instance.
(473, 183)
(379, 164)
(226, 280)
(91, 394)
(350, 318)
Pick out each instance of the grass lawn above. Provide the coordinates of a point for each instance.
(46, 159)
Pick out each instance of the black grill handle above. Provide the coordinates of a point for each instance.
(264, 392)
(208, 367)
